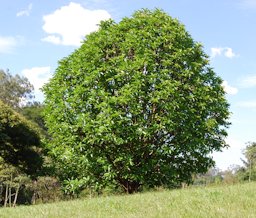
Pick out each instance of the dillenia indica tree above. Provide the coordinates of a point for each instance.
(136, 105)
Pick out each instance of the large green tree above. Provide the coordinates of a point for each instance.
(136, 105)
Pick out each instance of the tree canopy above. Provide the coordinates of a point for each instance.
(34, 112)
(19, 141)
(14, 89)
(249, 169)
(136, 105)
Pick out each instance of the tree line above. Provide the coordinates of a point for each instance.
(234, 173)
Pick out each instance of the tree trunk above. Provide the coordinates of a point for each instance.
(33, 199)
(129, 187)
(1, 191)
(16, 196)
(250, 171)
(10, 196)
(6, 195)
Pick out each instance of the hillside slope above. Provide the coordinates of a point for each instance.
(222, 201)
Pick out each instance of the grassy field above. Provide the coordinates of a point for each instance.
(222, 201)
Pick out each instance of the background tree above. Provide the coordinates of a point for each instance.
(136, 105)
(249, 169)
(212, 176)
(34, 112)
(231, 175)
(19, 141)
(11, 183)
(14, 90)
(22, 157)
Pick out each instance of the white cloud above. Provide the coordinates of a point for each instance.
(53, 39)
(229, 89)
(7, 44)
(249, 81)
(69, 24)
(220, 51)
(25, 12)
(247, 104)
(37, 76)
(228, 52)
(216, 52)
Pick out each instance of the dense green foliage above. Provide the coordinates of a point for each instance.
(14, 90)
(34, 112)
(21, 159)
(19, 141)
(234, 201)
(21, 154)
(136, 105)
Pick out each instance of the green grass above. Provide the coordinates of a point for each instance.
(222, 201)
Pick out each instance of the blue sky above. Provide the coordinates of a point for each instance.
(35, 35)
